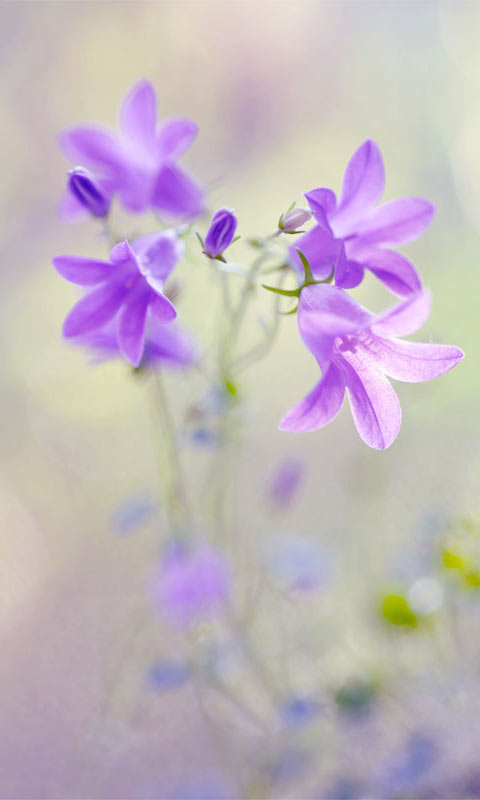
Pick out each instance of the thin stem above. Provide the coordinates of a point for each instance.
(176, 496)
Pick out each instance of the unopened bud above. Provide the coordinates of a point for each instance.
(221, 233)
(294, 219)
(88, 192)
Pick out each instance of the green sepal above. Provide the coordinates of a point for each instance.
(288, 313)
(202, 243)
(307, 269)
(285, 292)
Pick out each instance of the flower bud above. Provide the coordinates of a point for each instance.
(294, 219)
(220, 233)
(88, 192)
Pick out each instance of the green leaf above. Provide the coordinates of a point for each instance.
(202, 243)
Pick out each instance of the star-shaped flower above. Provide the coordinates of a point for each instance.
(356, 351)
(355, 234)
(129, 287)
(138, 164)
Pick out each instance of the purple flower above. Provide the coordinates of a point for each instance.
(192, 584)
(129, 287)
(139, 164)
(165, 345)
(356, 350)
(221, 233)
(354, 234)
(286, 481)
(88, 192)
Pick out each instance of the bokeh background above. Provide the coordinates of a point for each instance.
(283, 92)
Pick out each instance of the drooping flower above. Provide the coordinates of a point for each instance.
(221, 233)
(355, 234)
(193, 583)
(138, 164)
(129, 288)
(87, 190)
(356, 350)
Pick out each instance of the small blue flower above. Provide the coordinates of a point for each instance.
(299, 711)
(132, 514)
(168, 674)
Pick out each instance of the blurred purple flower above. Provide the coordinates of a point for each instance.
(406, 768)
(167, 674)
(298, 563)
(297, 712)
(128, 288)
(286, 481)
(88, 192)
(221, 233)
(353, 234)
(192, 584)
(139, 164)
(356, 350)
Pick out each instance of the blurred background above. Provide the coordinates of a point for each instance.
(283, 92)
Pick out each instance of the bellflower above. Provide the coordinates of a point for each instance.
(138, 164)
(355, 234)
(166, 346)
(192, 583)
(221, 233)
(86, 189)
(128, 288)
(355, 351)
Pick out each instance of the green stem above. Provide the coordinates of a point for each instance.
(175, 492)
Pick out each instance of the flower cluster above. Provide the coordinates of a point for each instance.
(354, 348)
(128, 310)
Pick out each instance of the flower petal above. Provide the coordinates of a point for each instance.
(412, 362)
(375, 407)
(159, 253)
(323, 252)
(394, 270)
(83, 271)
(93, 146)
(325, 312)
(175, 137)
(162, 307)
(123, 253)
(169, 344)
(363, 185)
(94, 310)
(138, 115)
(406, 317)
(70, 209)
(177, 194)
(349, 274)
(131, 326)
(322, 202)
(319, 407)
(397, 222)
